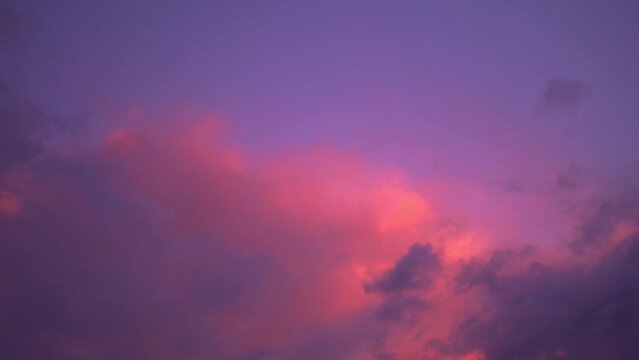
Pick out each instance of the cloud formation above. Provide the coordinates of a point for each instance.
(163, 241)
(167, 243)
(413, 271)
(21, 119)
(21, 122)
(164, 244)
(564, 93)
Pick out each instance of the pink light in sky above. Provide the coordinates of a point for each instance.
(341, 181)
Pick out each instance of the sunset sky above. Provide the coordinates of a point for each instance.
(339, 180)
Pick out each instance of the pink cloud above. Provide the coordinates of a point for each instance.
(168, 241)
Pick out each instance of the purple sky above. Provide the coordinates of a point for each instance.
(389, 152)
(415, 83)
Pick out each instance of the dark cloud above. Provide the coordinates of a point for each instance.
(20, 124)
(603, 216)
(88, 273)
(403, 310)
(20, 120)
(92, 269)
(599, 225)
(403, 299)
(545, 312)
(564, 93)
(415, 270)
(485, 273)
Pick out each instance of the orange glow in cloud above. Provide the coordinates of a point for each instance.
(400, 209)
(464, 246)
(331, 223)
(300, 241)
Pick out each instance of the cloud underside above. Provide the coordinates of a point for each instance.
(166, 244)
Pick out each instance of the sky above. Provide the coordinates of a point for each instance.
(342, 180)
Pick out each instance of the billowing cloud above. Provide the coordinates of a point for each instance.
(578, 306)
(165, 240)
(167, 243)
(544, 313)
(163, 243)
